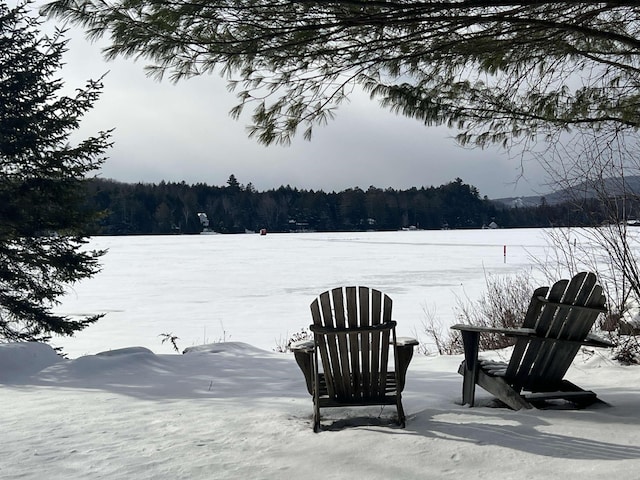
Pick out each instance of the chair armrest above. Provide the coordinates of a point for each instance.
(403, 348)
(303, 352)
(515, 332)
(590, 340)
(405, 342)
(595, 341)
(306, 346)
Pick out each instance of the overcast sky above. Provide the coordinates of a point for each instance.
(183, 132)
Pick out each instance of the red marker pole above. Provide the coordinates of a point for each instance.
(504, 253)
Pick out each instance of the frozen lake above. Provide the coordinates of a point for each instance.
(257, 289)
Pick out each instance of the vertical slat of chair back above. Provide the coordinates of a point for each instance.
(320, 342)
(354, 343)
(365, 341)
(341, 372)
(384, 354)
(376, 312)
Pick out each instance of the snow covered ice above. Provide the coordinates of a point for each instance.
(257, 289)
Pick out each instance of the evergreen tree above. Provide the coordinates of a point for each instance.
(43, 221)
(497, 70)
(233, 183)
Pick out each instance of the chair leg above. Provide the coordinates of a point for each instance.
(316, 417)
(469, 367)
(468, 384)
(316, 393)
(402, 421)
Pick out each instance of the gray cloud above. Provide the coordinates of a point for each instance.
(183, 132)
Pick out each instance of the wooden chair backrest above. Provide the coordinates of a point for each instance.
(565, 312)
(352, 328)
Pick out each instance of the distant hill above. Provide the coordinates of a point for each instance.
(613, 186)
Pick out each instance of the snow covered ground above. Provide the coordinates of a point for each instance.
(237, 410)
(232, 411)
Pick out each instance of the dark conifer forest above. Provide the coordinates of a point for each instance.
(173, 208)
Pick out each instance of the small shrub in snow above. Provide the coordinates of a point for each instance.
(503, 305)
(172, 339)
(285, 346)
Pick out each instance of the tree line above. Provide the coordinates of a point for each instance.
(167, 207)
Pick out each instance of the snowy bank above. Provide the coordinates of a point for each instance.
(232, 411)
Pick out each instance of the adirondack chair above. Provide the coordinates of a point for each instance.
(352, 334)
(556, 325)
